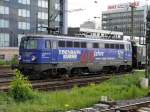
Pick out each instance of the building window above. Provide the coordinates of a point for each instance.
(57, 18)
(19, 38)
(42, 27)
(42, 15)
(57, 6)
(4, 40)
(43, 3)
(24, 1)
(4, 10)
(4, 23)
(23, 13)
(23, 25)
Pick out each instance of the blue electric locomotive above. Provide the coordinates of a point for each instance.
(47, 55)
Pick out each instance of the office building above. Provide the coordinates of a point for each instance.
(21, 17)
(119, 18)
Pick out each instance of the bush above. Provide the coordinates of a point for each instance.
(21, 89)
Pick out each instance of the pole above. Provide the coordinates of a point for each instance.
(48, 16)
(146, 64)
(132, 20)
(147, 43)
(36, 30)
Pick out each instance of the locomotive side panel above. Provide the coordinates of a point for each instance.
(59, 55)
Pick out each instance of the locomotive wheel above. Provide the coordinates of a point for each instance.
(76, 71)
(122, 69)
(106, 70)
(129, 68)
(30, 75)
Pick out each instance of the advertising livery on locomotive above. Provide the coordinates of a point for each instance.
(47, 55)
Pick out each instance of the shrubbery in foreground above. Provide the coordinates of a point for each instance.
(21, 89)
(117, 88)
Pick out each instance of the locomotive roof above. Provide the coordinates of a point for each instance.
(56, 37)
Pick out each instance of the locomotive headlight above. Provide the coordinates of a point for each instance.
(33, 58)
(19, 57)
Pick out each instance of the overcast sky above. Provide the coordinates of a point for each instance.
(90, 10)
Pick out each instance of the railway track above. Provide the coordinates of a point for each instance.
(6, 76)
(136, 105)
(58, 84)
(139, 105)
(5, 71)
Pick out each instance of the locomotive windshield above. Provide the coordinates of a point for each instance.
(29, 43)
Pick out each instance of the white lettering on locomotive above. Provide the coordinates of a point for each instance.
(98, 53)
(69, 54)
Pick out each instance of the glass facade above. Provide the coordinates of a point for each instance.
(120, 20)
(23, 13)
(42, 15)
(24, 25)
(21, 17)
(43, 3)
(57, 6)
(24, 2)
(41, 27)
(4, 10)
(4, 40)
(4, 23)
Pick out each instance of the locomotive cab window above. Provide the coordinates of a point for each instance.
(95, 45)
(48, 44)
(77, 44)
(69, 44)
(61, 44)
(29, 44)
(83, 45)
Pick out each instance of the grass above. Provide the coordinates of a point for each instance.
(14, 61)
(117, 88)
(2, 62)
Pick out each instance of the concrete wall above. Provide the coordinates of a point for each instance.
(8, 53)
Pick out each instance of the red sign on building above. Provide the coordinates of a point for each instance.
(125, 5)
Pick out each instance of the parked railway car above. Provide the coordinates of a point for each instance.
(45, 55)
(139, 55)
